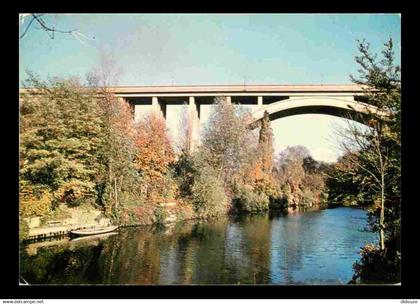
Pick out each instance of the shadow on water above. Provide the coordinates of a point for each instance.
(272, 248)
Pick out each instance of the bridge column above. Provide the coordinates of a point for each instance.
(155, 105)
(159, 108)
(193, 123)
(229, 99)
(260, 102)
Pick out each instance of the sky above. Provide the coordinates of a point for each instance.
(191, 49)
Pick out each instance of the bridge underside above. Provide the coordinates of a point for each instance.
(327, 110)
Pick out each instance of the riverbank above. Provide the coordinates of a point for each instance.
(66, 219)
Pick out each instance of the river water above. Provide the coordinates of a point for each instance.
(316, 247)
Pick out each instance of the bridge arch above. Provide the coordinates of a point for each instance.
(344, 107)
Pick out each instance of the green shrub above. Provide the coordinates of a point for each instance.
(246, 200)
(208, 196)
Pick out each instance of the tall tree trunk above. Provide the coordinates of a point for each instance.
(382, 172)
(382, 214)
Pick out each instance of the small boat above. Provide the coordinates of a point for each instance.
(94, 230)
(92, 237)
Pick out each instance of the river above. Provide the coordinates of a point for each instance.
(315, 247)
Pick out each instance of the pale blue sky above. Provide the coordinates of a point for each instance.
(165, 49)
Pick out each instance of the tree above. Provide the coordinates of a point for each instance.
(345, 186)
(185, 138)
(229, 153)
(375, 153)
(300, 177)
(266, 144)
(118, 135)
(310, 165)
(59, 140)
(370, 170)
(226, 140)
(154, 152)
(290, 164)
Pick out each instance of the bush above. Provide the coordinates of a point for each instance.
(160, 214)
(184, 211)
(246, 200)
(208, 196)
(308, 198)
(377, 266)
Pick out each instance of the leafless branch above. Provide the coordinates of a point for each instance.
(51, 30)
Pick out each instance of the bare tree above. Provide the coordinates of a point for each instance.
(107, 72)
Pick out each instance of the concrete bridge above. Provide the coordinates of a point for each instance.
(279, 100)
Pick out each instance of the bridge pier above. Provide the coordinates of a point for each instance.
(159, 107)
(193, 123)
(260, 102)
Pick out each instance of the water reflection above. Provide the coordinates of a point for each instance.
(299, 248)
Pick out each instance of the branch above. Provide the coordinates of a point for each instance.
(27, 28)
(47, 28)
(51, 30)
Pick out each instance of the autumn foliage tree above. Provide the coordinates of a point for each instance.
(154, 152)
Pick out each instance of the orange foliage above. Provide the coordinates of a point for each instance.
(123, 119)
(257, 177)
(154, 150)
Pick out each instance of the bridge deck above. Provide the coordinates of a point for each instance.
(308, 88)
